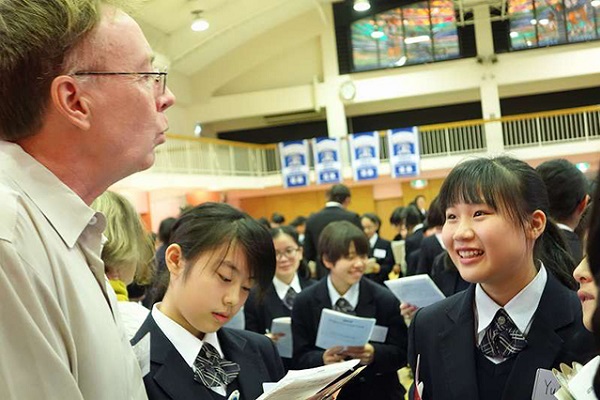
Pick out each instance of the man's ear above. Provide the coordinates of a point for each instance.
(536, 225)
(174, 260)
(69, 100)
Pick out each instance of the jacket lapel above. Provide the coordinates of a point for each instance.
(173, 375)
(543, 343)
(322, 296)
(235, 349)
(457, 344)
(366, 304)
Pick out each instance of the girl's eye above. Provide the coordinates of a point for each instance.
(450, 216)
(479, 213)
(224, 278)
(247, 289)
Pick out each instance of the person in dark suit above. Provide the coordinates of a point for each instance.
(521, 312)
(398, 222)
(344, 250)
(291, 278)
(446, 276)
(335, 210)
(380, 250)
(216, 254)
(432, 244)
(568, 193)
(416, 231)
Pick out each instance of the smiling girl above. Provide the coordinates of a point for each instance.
(520, 313)
(289, 280)
(215, 256)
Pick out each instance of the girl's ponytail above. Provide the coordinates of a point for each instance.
(550, 248)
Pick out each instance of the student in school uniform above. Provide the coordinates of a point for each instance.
(291, 277)
(343, 249)
(380, 250)
(568, 194)
(215, 256)
(521, 312)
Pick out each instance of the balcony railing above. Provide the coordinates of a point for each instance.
(204, 156)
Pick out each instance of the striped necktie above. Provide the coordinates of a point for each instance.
(213, 371)
(502, 338)
(343, 305)
(290, 296)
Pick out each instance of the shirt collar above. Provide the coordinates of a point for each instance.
(351, 295)
(373, 240)
(565, 227)
(186, 344)
(520, 308)
(438, 236)
(49, 194)
(282, 288)
(333, 204)
(417, 227)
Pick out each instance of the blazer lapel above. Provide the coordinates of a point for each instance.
(457, 344)
(366, 304)
(235, 349)
(322, 295)
(543, 343)
(174, 376)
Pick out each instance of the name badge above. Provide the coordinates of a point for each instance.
(379, 334)
(545, 385)
(379, 253)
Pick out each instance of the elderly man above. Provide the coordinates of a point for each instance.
(82, 107)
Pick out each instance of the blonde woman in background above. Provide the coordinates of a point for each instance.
(127, 254)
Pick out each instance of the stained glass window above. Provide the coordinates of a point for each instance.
(540, 23)
(413, 34)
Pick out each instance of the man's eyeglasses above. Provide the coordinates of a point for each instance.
(287, 253)
(160, 78)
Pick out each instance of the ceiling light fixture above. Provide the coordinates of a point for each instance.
(199, 23)
(361, 5)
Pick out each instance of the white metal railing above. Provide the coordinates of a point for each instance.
(572, 125)
(185, 155)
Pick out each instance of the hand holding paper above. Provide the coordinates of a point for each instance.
(418, 290)
(339, 329)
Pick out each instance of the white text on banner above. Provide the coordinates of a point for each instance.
(294, 163)
(328, 167)
(364, 151)
(403, 146)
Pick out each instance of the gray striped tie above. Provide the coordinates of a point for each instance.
(343, 305)
(502, 338)
(213, 371)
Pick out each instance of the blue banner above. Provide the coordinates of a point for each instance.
(328, 166)
(364, 153)
(294, 163)
(403, 146)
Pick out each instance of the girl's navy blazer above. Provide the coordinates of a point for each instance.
(444, 335)
(170, 377)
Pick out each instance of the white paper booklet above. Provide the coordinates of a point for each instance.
(306, 383)
(399, 251)
(339, 329)
(418, 290)
(283, 327)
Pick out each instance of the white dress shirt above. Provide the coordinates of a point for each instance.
(351, 295)
(521, 308)
(186, 344)
(282, 288)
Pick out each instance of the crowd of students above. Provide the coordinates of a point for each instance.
(489, 227)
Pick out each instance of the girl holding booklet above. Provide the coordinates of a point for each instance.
(521, 312)
(289, 280)
(215, 256)
(343, 249)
